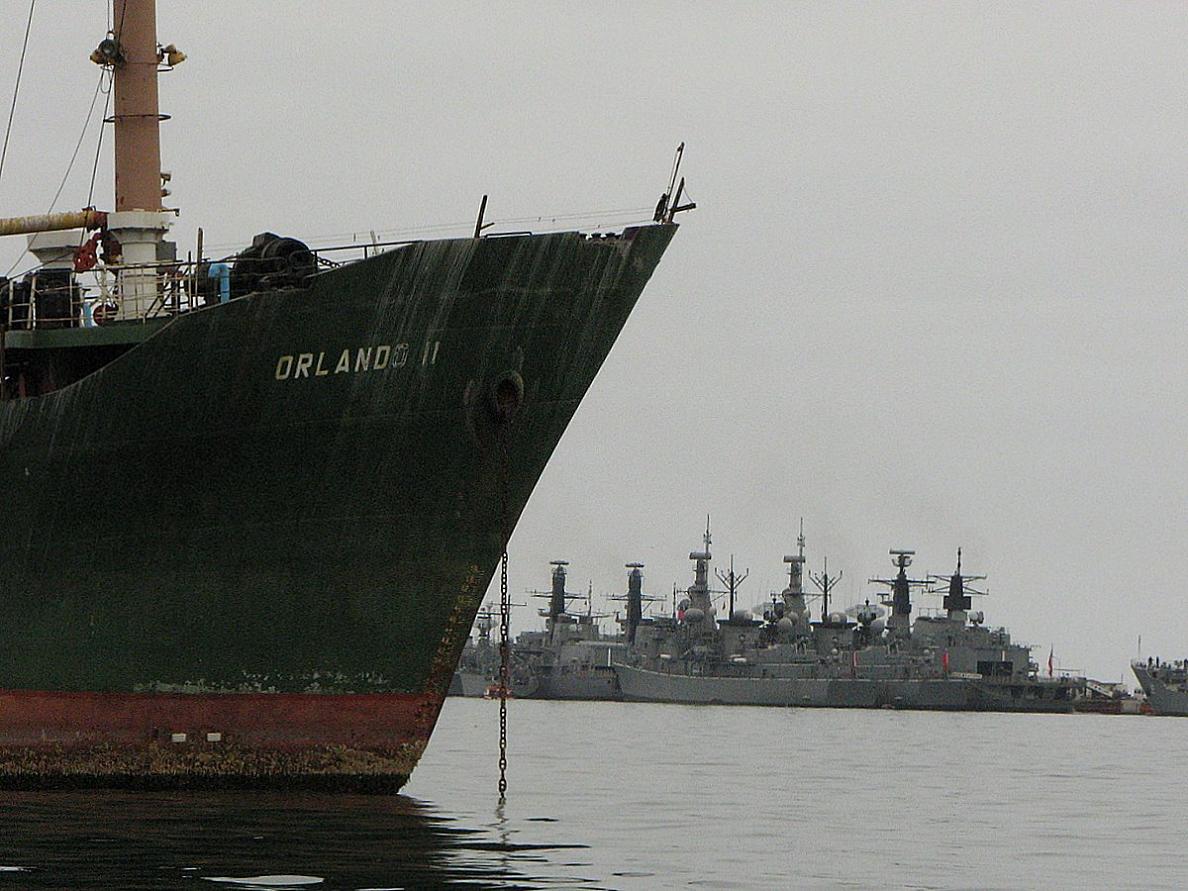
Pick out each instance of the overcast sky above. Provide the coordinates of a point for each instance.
(933, 294)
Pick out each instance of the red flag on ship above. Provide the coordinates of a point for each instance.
(945, 661)
(1049, 661)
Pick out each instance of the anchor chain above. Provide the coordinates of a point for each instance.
(504, 620)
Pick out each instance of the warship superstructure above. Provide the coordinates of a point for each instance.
(847, 658)
(570, 658)
(1165, 685)
(252, 504)
(478, 666)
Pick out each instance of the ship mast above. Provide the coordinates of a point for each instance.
(137, 113)
(793, 595)
(957, 601)
(132, 235)
(634, 598)
(700, 615)
(139, 223)
(731, 580)
(899, 623)
(557, 612)
(825, 584)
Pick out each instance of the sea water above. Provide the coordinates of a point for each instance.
(624, 795)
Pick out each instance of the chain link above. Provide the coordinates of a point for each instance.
(504, 622)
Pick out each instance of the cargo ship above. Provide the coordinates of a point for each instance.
(251, 506)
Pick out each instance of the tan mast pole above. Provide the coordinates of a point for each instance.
(138, 222)
(137, 117)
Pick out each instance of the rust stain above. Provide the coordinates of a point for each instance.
(449, 649)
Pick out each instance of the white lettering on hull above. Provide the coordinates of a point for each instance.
(356, 360)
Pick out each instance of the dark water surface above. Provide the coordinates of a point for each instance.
(607, 795)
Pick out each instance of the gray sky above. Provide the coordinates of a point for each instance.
(933, 294)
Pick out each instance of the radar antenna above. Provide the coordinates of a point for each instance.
(901, 591)
(796, 563)
(559, 599)
(956, 589)
(635, 599)
(730, 580)
(825, 583)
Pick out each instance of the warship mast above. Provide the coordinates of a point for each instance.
(557, 612)
(900, 621)
(635, 600)
(795, 607)
(957, 601)
(825, 583)
(731, 580)
(700, 613)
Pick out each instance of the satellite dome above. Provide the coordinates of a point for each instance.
(786, 625)
(693, 614)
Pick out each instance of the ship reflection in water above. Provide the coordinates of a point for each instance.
(111, 840)
(640, 796)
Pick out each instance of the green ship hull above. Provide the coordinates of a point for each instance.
(248, 551)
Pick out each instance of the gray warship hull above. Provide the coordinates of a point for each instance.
(586, 683)
(1163, 699)
(468, 683)
(933, 694)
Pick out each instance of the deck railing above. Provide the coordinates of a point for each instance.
(59, 298)
(49, 298)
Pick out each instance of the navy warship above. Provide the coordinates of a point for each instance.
(1165, 685)
(851, 658)
(478, 667)
(571, 657)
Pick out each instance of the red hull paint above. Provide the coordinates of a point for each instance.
(349, 741)
(366, 720)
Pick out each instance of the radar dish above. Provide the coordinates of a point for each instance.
(873, 609)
